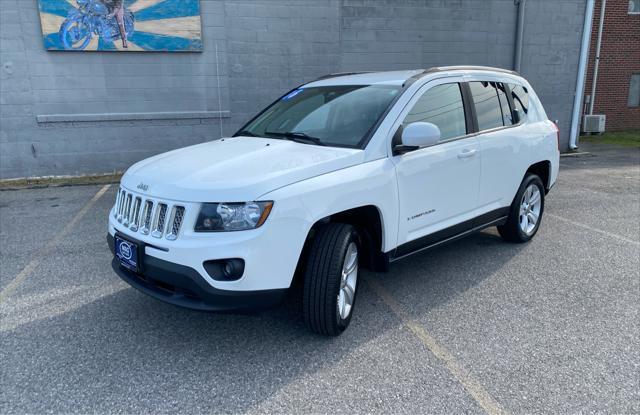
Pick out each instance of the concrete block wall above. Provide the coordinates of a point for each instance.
(35, 82)
(551, 54)
(261, 49)
(274, 46)
(426, 33)
(393, 34)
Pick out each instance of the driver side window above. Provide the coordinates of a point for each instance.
(441, 105)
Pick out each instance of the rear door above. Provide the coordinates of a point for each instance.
(437, 185)
(501, 147)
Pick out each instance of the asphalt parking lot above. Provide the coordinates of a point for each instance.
(478, 326)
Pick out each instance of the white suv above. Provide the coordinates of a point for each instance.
(347, 171)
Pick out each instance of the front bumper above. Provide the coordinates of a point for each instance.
(183, 286)
(270, 252)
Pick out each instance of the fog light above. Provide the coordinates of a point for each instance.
(233, 268)
(228, 269)
(225, 269)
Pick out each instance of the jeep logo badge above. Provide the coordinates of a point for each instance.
(143, 187)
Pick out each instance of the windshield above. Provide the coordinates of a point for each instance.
(328, 115)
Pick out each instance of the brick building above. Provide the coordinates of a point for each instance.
(618, 84)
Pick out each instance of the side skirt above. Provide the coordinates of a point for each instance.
(494, 218)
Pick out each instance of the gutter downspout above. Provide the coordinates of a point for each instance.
(517, 55)
(582, 73)
(592, 102)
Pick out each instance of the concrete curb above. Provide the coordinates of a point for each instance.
(577, 154)
(59, 181)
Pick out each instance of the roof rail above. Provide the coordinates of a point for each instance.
(338, 74)
(414, 78)
(469, 68)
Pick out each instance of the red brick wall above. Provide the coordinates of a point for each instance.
(619, 59)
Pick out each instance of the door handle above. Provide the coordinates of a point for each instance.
(466, 154)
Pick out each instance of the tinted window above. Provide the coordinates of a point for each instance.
(507, 117)
(520, 97)
(340, 115)
(442, 106)
(488, 110)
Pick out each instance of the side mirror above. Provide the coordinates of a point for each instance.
(415, 136)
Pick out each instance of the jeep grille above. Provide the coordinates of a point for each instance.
(148, 216)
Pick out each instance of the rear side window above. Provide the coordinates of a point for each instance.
(488, 109)
(507, 116)
(520, 96)
(441, 105)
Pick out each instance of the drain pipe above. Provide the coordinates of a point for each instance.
(582, 74)
(517, 54)
(592, 101)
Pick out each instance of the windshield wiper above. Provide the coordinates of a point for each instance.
(246, 133)
(297, 136)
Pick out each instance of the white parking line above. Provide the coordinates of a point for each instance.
(33, 264)
(582, 225)
(472, 386)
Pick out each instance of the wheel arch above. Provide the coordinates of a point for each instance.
(368, 221)
(543, 170)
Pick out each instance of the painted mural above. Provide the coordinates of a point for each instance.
(121, 25)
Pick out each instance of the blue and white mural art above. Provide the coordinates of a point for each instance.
(121, 25)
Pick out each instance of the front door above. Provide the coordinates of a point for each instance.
(437, 185)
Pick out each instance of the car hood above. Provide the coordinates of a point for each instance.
(234, 169)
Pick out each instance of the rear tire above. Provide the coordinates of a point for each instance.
(525, 213)
(330, 279)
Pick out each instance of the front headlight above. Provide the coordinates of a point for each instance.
(221, 217)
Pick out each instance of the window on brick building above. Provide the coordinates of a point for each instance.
(634, 6)
(634, 90)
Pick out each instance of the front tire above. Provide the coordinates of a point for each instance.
(331, 279)
(525, 213)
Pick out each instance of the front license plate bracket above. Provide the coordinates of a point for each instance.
(128, 252)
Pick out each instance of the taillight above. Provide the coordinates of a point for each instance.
(557, 133)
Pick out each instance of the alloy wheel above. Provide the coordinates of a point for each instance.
(530, 207)
(348, 281)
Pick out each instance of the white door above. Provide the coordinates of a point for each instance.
(501, 146)
(438, 185)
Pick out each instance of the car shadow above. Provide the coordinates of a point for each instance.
(126, 352)
(435, 277)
